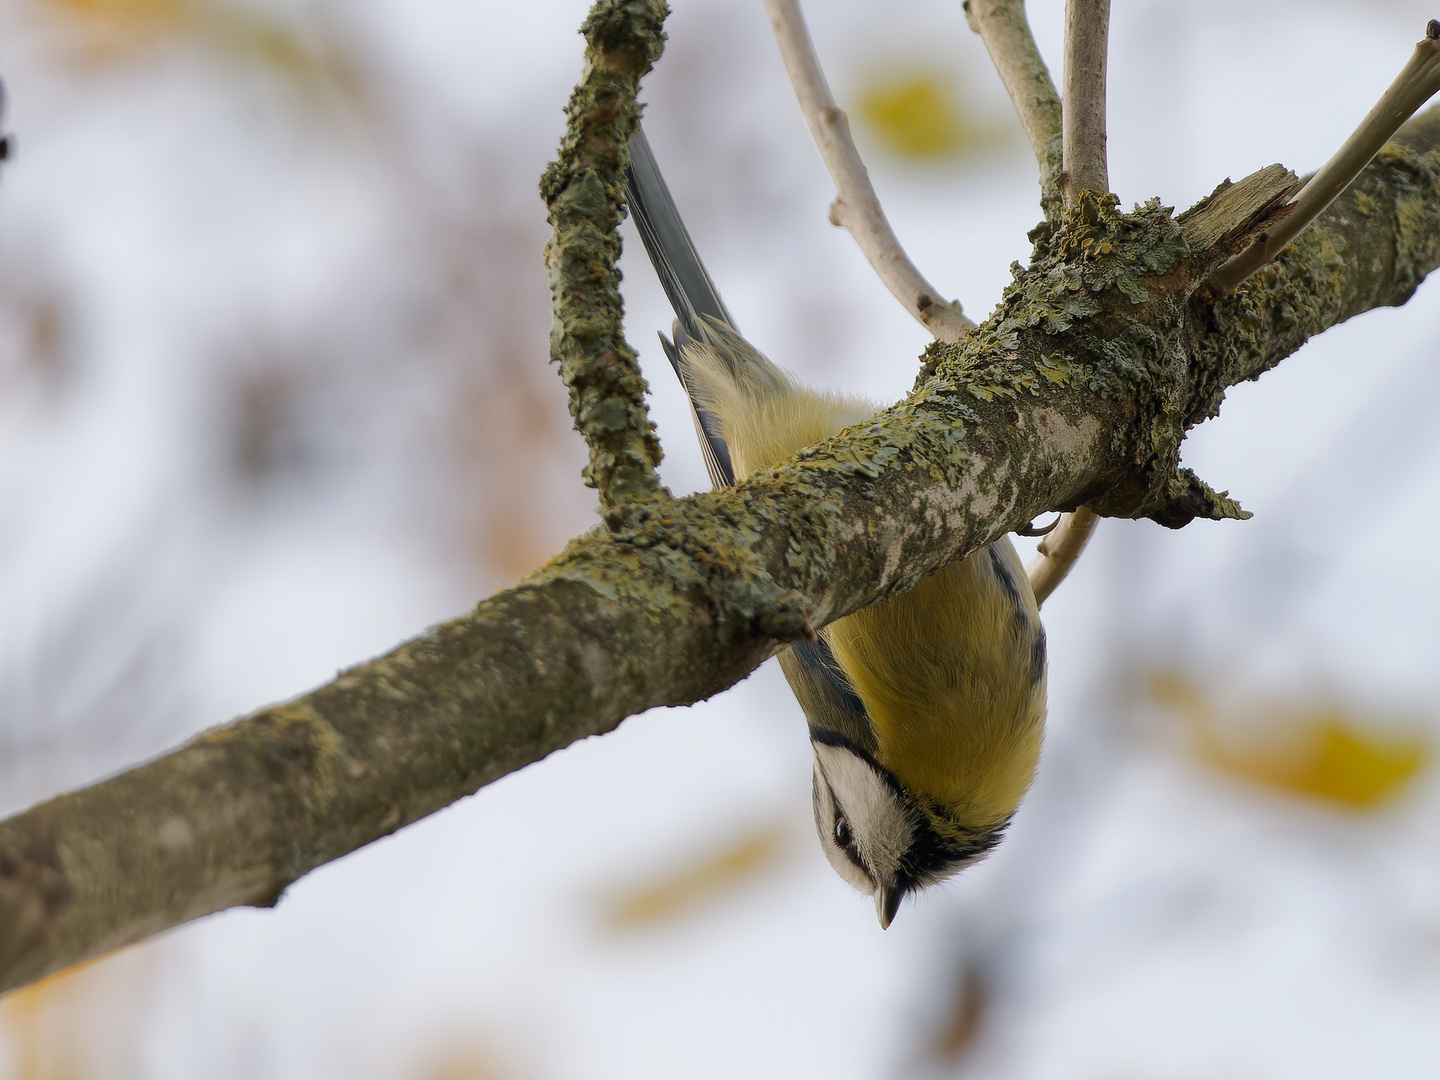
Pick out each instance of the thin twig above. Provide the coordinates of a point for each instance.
(1003, 27)
(856, 207)
(1058, 552)
(1417, 82)
(1087, 34)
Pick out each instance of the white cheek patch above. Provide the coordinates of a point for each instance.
(825, 825)
(878, 818)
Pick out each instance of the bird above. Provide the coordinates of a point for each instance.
(926, 711)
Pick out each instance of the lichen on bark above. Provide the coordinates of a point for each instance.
(584, 195)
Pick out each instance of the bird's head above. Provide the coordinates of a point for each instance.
(881, 838)
(927, 715)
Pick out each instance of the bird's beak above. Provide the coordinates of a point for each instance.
(887, 902)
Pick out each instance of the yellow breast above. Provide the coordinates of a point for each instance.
(951, 672)
(954, 685)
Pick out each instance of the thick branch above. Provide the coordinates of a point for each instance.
(1078, 390)
(857, 208)
(1003, 27)
(1087, 36)
(584, 192)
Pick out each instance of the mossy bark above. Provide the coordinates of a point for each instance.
(1078, 389)
(584, 191)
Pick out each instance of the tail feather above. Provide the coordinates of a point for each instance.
(748, 413)
(683, 276)
(696, 301)
(707, 426)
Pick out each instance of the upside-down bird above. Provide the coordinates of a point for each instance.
(927, 710)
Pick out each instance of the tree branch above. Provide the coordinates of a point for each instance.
(1003, 27)
(1371, 248)
(856, 207)
(1077, 391)
(1087, 33)
(1059, 551)
(584, 192)
(1417, 82)
(1087, 36)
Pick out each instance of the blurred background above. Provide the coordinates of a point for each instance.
(274, 396)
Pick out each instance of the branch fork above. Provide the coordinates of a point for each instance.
(1418, 81)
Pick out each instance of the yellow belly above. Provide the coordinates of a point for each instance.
(948, 676)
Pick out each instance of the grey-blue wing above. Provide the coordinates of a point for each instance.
(830, 704)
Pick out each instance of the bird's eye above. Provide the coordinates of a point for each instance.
(842, 832)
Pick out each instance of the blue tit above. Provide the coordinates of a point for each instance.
(927, 710)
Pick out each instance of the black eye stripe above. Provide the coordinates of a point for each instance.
(849, 849)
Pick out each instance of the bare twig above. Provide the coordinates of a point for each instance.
(1417, 82)
(1086, 167)
(1087, 34)
(1059, 551)
(1003, 27)
(856, 206)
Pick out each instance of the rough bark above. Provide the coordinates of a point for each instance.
(1078, 389)
(584, 193)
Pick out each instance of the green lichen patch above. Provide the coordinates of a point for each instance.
(1098, 311)
(1187, 497)
(583, 192)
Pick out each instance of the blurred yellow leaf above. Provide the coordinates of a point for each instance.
(469, 1064)
(76, 1023)
(25, 1015)
(1336, 761)
(106, 28)
(683, 892)
(918, 116)
(1323, 752)
(109, 28)
(125, 11)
